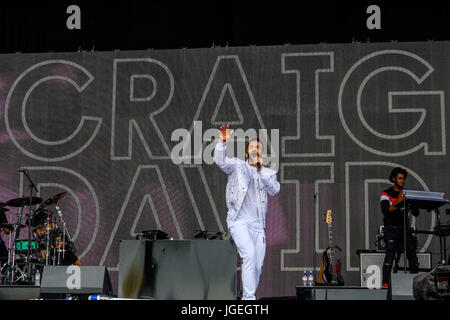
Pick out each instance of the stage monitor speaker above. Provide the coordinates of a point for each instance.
(340, 293)
(402, 285)
(377, 258)
(178, 269)
(21, 292)
(75, 280)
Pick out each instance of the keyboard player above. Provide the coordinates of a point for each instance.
(393, 212)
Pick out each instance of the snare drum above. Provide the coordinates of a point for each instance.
(22, 246)
(40, 232)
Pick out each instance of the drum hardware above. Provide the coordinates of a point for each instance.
(12, 252)
(65, 232)
(47, 247)
(21, 202)
(12, 271)
(47, 242)
(32, 201)
(21, 271)
(50, 225)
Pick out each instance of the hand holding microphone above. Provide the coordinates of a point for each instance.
(257, 160)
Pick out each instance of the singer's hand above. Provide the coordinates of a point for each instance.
(225, 133)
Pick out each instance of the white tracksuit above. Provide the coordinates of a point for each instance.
(246, 197)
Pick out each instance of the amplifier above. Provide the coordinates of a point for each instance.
(377, 258)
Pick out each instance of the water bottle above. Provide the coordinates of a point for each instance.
(37, 278)
(310, 279)
(305, 279)
(99, 297)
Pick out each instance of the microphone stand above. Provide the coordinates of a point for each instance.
(314, 246)
(16, 236)
(31, 186)
(404, 231)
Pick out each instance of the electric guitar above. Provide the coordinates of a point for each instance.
(330, 271)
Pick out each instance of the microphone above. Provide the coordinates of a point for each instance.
(254, 155)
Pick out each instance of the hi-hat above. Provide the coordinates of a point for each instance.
(54, 199)
(24, 201)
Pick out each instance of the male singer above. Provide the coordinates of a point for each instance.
(246, 198)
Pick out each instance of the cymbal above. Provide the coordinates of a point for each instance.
(24, 201)
(3, 209)
(54, 199)
(10, 226)
(2, 204)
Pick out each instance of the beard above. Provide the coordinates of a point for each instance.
(400, 186)
(253, 154)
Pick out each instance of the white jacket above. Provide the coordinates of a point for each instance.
(239, 180)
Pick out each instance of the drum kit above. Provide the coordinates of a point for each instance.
(47, 242)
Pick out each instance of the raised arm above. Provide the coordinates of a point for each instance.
(225, 164)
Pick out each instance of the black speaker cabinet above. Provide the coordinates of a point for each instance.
(59, 281)
(178, 269)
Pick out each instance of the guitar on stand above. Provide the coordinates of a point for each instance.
(330, 271)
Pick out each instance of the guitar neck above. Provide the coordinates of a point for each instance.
(330, 241)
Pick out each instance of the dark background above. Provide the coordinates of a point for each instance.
(133, 25)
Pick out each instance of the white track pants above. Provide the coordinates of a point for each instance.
(251, 246)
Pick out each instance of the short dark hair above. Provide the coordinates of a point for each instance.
(397, 170)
